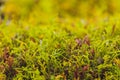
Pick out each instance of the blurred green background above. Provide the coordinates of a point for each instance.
(43, 11)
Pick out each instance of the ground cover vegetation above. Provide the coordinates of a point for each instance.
(59, 40)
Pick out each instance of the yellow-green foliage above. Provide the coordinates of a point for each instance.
(60, 40)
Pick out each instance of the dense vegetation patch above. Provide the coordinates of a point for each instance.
(42, 46)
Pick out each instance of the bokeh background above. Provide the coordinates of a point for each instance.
(44, 11)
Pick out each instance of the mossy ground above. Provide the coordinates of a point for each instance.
(43, 46)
